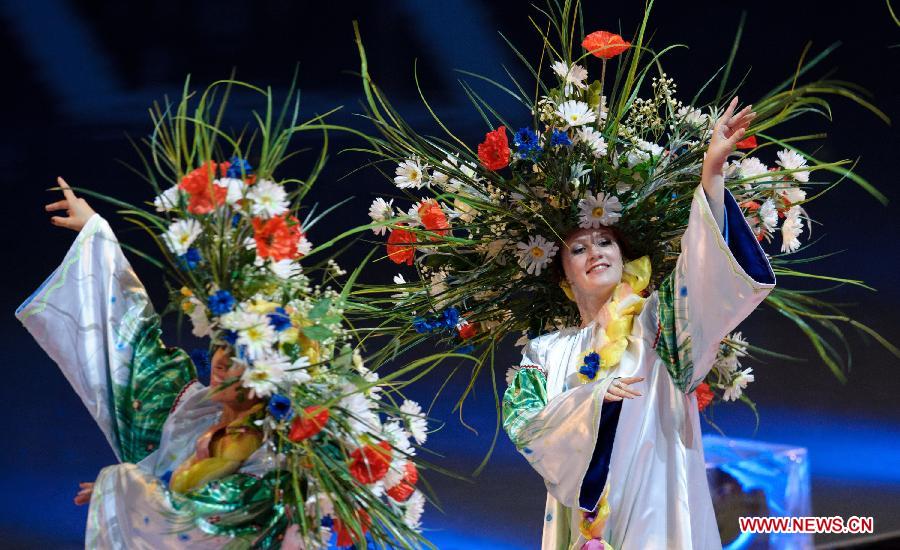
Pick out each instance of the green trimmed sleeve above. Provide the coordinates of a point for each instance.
(525, 397)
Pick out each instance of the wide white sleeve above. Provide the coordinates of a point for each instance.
(718, 280)
(566, 439)
(94, 319)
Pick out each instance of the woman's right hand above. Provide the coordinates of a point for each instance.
(84, 493)
(620, 389)
(78, 211)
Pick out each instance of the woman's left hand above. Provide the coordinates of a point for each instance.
(728, 130)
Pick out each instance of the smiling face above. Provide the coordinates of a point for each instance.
(592, 261)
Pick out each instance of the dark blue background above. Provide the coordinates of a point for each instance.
(79, 75)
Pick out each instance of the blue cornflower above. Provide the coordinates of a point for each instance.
(560, 138)
(527, 143)
(422, 325)
(221, 302)
(239, 167)
(235, 220)
(450, 317)
(280, 407)
(327, 521)
(591, 365)
(190, 259)
(279, 319)
(200, 357)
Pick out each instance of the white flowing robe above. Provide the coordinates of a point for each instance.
(94, 319)
(657, 488)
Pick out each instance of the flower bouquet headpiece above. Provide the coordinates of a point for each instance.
(233, 235)
(605, 140)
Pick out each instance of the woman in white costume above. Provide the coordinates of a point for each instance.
(621, 455)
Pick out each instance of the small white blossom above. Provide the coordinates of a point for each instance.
(181, 235)
(267, 199)
(738, 384)
(410, 174)
(792, 160)
(593, 139)
(235, 186)
(168, 199)
(380, 211)
(415, 420)
(791, 229)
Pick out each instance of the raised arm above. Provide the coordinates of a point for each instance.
(722, 273)
(93, 318)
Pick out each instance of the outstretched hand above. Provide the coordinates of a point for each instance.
(78, 211)
(84, 493)
(620, 389)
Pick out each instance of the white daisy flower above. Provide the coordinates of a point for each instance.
(414, 508)
(415, 420)
(535, 254)
(381, 210)
(572, 76)
(268, 199)
(768, 215)
(726, 364)
(598, 210)
(398, 437)
(576, 113)
(751, 166)
(739, 344)
(792, 160)
(791, 229)
(258, 336)
(168, 199)
(235, 186)
(265, 375)
(361, 419)
(738, 384)
(396, 472)
(793, 195)
(304, 246)
(181, 235)
(285, 269)
(410, 174)
(692, 116)
(593, 139)
(238, 320)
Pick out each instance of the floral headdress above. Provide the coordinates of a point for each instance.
(234, 238)
(485, 224)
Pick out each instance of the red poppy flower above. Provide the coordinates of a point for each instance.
(494, 150)
(308, 423)
(747, 143)
(370, 463)
(346, 536)
(433, 218)
(277, 237)
(398, 249)
(205, 196)
(467, 331)
(403, 490)
(751, 206)
(605, 45)
(704, 396)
